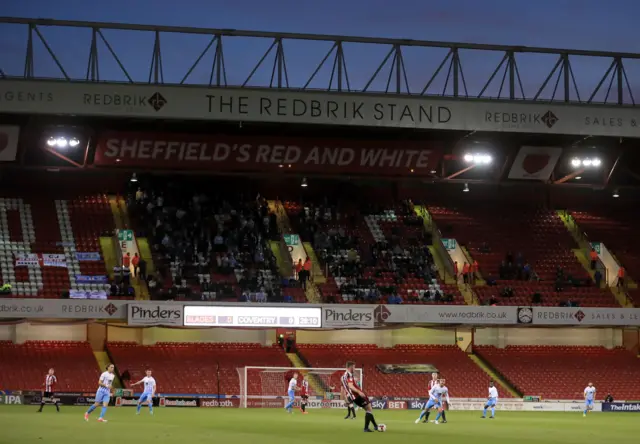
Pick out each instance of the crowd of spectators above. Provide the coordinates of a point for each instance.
(207, 246)
(358, 265)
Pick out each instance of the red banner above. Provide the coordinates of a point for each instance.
(253, 153)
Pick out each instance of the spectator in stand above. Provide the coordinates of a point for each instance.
(126, 260)
(621, 275)
(536, 299)
(609, 398)
(593, 255)
(455, 270)
(465, 273)
(475, 271)
(502, 270)
(298, 269)
(597, 277)
(135, 261)
(526, 272)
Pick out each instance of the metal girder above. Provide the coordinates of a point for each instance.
(568, 177)
(38, 48)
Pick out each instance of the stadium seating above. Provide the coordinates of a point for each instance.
(539, 235)
(24, 366)
(464, 378)
(563, 372)
(617, 229)
(47, 225)
(393, 229)
(196, 367)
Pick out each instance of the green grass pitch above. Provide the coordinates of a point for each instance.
(22, 425)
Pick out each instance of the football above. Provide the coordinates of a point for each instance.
(382, 428)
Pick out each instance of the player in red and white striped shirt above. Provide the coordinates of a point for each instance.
(304, 394)
(49, 385)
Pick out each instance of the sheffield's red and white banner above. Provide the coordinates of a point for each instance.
(535, 162)
(253, 153)
(9, 136)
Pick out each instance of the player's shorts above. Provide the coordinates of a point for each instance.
(305, 396)
(102, 397)
(292, 394)
(361, 402)
(589, 403)
(491, 402)
(145, 397)
(432, 403)
(47, 395)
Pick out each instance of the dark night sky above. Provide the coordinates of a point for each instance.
(594, 25)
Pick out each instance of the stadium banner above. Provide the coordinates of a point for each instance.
(253, 153)
(407, 369)
(446, 314)
(467, 405)
(150, 314)
(535, 162)
(559, 407)
(51, 97)
(84, 279)
(221, 403)
(579, 316)
(633, 407)
(11, 400)
(247, 316)
(67, 399)
(88, 257)
(63, 309)
(9, 137)
(340, 316)
(86, 294)
(40, 260)
(178, 402)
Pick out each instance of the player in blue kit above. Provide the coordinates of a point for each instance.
(492, 400)
(433, 402)
(103, 394)
(149, 392)
(291, 392)
(443, 393)
(589, 398)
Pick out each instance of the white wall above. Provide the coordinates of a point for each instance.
(501, 337)
(382, 338)
(34, 332)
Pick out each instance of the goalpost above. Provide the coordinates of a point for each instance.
(267, 386)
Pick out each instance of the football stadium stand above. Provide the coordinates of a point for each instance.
(504, 240)
(196, 367)
(372, 255)
(563, 372)
(23, 366)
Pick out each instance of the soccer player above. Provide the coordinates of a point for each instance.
(49, 385)
(103, 394)
(149, 392)
(491, 401)
(293, 388)
(443, 392)
(589, 398)
(304, 394)
(433, 402)
(359, 397)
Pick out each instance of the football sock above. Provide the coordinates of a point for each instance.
(103, 411)
(303, 406)
(372, 419)
(444, 416)
(493, 411)
(150, 407)
(426, 415)
(484, 412)
(91, 409)
(138, 408)
(367, 421)
(422, 413)
(57, 406)
(353, 411)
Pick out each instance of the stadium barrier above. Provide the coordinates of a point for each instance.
(620, 407)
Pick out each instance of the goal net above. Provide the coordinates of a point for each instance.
(267, 386)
